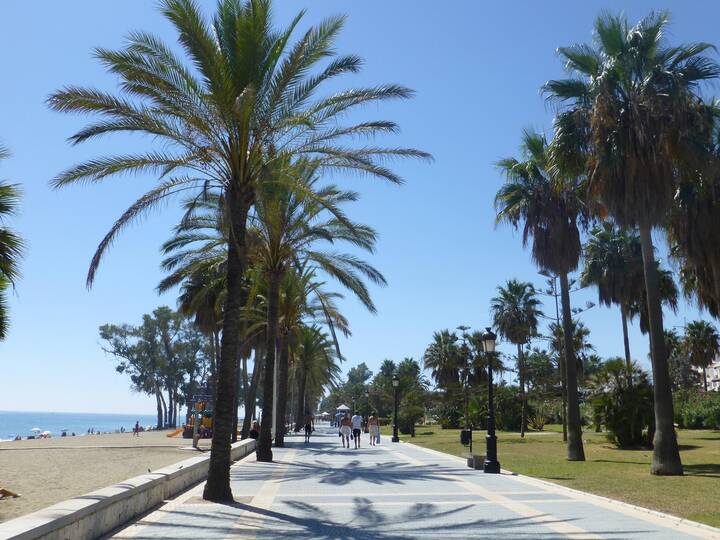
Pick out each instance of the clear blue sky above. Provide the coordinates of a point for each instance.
(476, 67)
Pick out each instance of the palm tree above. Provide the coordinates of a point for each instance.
(515, 312)
(442, 358)
(692, 234)
(549, 203)
(668, 293)
(701, 343)
(11, 246)
(613, 263)
(289, 224)
(220, 116)
(580, 340)
(628, 105)
(315, 366)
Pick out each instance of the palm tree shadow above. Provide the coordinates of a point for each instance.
(370, 524)
(370, 470)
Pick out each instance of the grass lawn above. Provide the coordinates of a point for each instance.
(608, 471)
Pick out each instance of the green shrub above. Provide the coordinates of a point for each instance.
(408, 417)
(539, 415)
(625, 408)
(695, 409)
(507, 408)
(448, 414)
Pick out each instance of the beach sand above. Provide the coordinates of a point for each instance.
(47, 471)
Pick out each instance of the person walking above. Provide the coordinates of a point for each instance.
(136, 429)
(357, 422)
(309, 426)
(345, 430)
(374, 429)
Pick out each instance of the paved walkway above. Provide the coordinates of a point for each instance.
(394, 492)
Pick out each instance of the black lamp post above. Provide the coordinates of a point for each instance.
(491, 464)
(367, 409)
(396, 385)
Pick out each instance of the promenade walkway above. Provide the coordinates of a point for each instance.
(393, 492)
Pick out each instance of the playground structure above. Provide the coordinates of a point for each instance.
(200, 423)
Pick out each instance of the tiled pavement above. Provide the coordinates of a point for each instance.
(394, 492)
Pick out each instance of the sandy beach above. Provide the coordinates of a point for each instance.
(48, 471)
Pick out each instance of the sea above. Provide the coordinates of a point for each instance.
(13, 423)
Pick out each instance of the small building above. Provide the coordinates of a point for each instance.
(713, 376)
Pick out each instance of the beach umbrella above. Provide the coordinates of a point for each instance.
(36, 430)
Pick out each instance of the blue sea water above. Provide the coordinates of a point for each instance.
(14, 423)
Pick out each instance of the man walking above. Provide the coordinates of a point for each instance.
(357, 422)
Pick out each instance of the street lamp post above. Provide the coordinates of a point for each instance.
(491, 464)
(396, 385)
(367, 409)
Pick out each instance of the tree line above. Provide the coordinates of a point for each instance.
(244, 134)
(634, 148)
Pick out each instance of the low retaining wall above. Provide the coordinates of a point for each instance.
(95, 514)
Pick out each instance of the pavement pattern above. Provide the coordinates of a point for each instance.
(394, 492)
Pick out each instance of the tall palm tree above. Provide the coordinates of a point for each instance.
(315, 366)
(515, 312)
(581, 343)
(625, 112)
(613, 263)
(549, 202)
(442, 358)
(11, 246)
(241, 97)
(701, 343)
(290, 225)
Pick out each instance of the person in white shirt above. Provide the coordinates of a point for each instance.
(357, 422)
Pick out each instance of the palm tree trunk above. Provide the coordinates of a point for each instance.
(283, 368)
(705, 379)
(626, 340)
(561, 363)
(245, 381)
(252, 394)
(521, 380)
(217, 487)
(300, 412)
(264, 445)
(238, 373)
(575, 451)
(666, 455)
(216, 362)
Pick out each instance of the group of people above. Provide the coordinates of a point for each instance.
(351, 429)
